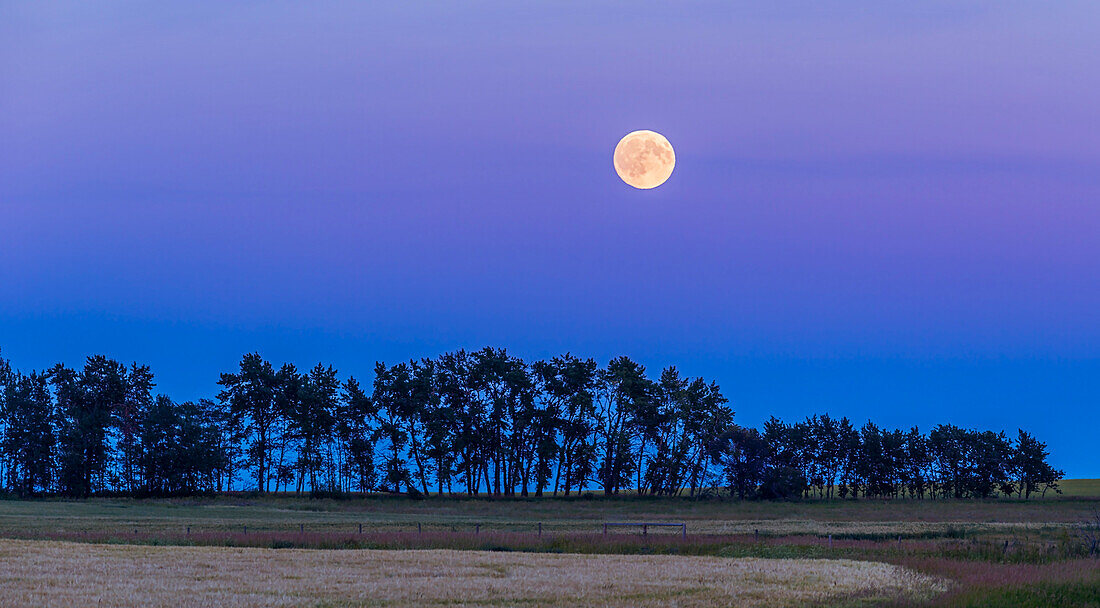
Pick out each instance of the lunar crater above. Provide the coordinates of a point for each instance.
(644, 159)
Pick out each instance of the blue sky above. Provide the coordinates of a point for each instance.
(883, 211)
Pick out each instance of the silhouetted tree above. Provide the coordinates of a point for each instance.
(479, 420)
(784, 476)
(567, 387)
(180, 448)
(86, 401)
(692, 415)
(130, 417)
(742, 455)
(948, 445)
(28, 442)
(916, 463)
(502, 387)
(229, 436)
(423, 406)
(393, 397)
(251, 396)
(1031, 466)
(992, 458)
(468, 415)
(624, 398)
(353, 423)
(311, 416)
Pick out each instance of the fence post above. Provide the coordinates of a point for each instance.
(418, 529)
(684, 530)
(756, 536)
(645, 530)
(540, 529)
(246, 529)
(360, 528)
(605, 529)
(301, 528)
(830, 541)
(189, 530)
(477, 530)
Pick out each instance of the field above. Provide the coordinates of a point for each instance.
(861, 518)
(247, 550)
(54, 573)
(1081, 487)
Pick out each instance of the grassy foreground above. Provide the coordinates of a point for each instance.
(990, 553)
(843, 519)
(45, 573)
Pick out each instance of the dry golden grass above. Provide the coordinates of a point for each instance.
(46, 573)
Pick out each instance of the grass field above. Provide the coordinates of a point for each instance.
(1081, 487)
(863, 518)
(37, 573)
(990, 553)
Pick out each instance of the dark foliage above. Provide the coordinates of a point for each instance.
(471, 423)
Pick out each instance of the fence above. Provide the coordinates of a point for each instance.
(333, 528)
(647, 525)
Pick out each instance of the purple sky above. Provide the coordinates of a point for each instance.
(880, 210)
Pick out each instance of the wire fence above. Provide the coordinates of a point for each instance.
(536, 528)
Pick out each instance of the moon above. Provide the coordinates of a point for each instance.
(644, 159)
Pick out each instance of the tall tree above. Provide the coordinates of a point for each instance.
(440, 422)
(180, 448)
(566, 386)
(992, 457)
(87, 402)
(5, 379)
(948, 445)
(503, 386)
(27, 442)
(282, 436)
(251, 398)
(827, 435)
(130, 417)
(458, 392)
(742, 455)
(392, 397)
(658, 430)
(356, 411)
(623, 392)
(311, 415)
(784, 475)
(423, 406)
(704, 416)
(1032, 468)
(916, 463)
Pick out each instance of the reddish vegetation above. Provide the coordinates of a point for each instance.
(975, 573)
(981, 583)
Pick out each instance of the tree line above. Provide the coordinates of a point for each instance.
(471, 423)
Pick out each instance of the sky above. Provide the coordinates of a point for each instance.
(880, 210)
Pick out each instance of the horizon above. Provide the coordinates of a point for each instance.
(884, 213)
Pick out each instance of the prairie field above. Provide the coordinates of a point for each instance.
(236, 513)
(39, 573)
(1080, 487)
(244, 550)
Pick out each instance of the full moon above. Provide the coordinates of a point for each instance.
(644, 159)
